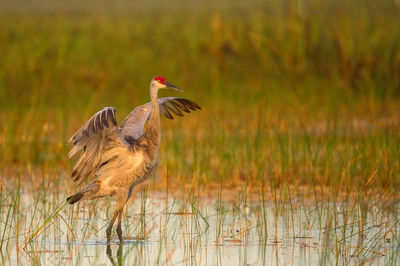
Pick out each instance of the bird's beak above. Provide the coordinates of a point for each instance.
(170, 86)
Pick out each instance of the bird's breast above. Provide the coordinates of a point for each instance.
(135, 160)
(131, 169)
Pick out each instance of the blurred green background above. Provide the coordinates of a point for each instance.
(300, 91)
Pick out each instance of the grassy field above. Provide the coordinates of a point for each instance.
(289, 91)
(300, 102)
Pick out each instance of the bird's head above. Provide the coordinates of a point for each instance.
(160, 83)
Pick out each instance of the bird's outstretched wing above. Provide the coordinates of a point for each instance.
(102, 147)
(99, 133)
(134, 123)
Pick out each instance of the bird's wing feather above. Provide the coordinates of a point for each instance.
(134, 123)
(96, 123)
(101, 146)
(98, 134)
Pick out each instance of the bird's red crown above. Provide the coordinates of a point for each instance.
(160, 79)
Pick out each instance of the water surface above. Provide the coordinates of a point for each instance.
(165, 230)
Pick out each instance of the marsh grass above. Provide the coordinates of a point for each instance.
(199, 230)
(308, 99)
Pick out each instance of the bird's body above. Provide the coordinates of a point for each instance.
(113, 159)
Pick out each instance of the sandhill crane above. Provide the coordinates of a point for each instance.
(112, 159)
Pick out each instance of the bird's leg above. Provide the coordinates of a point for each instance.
(119, 230)
(121, 197)
(109, 228)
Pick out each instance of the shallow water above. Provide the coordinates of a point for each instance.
(161, 230)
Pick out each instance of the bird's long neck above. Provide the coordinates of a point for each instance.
(153, 131)
(154, 102)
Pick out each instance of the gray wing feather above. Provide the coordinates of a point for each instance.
(134, 123)
(100, 132)
(97, 122)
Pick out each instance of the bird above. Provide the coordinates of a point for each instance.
(111, 160)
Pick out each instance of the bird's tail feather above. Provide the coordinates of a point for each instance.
(88, 191)
(75, 198)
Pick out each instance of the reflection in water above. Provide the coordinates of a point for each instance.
(119, 254)
(158, 230)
